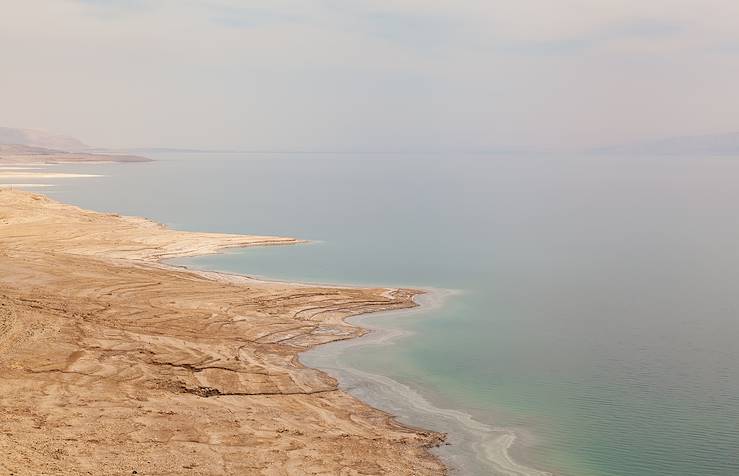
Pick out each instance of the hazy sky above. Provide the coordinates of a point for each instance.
(361, 74)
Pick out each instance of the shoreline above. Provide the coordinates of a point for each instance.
(401, 404)
(490, 445)
(122, 349)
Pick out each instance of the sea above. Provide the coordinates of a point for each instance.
(583, 311)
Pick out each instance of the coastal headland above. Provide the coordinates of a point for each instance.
(23, 154)
(112, 362)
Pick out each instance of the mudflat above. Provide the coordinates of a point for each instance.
(114, 363)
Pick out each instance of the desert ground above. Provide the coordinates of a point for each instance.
(112, 362)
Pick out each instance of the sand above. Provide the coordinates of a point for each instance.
(111, 362)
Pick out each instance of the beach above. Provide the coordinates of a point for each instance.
(112, 361)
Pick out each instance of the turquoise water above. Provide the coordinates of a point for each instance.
(599, 304)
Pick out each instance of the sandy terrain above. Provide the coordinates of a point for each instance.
(111, 363)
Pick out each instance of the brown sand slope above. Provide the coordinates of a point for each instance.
(111, 363)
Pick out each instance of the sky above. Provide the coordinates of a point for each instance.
(363, 75)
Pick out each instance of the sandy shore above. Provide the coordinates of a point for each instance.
(111, 362)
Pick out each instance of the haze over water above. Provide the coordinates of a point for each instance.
(598, 312)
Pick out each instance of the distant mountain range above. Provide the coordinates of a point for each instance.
(27, 146)
(36, 138)
(713, 144)
(25, 154)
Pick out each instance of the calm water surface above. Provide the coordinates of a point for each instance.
(599, 311)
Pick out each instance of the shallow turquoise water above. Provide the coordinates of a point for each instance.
(600, 303)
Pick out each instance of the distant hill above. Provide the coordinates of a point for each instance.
(36, 138)
(24, 154)
(714, 144)
(18, 149)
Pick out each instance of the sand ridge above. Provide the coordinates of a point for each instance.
(112, 363)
